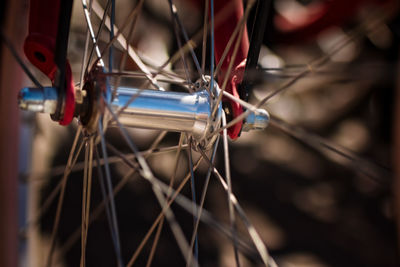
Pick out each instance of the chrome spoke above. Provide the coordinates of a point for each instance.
(204, 44)
(193, 42)
(194, 200)
(257, 241)
(188, 205)
(311, 67)
(98, 10)
(91, 31)
(178, 38)
(132, 17)
(109, 188)
(359, 164)
(171, 196)
(111, 49)
(86, 195)
(171, 184)
(61, 199)
(247, 241)
(52, 196)
(114, 159)
(203, 197)
(85, 61)
(212, 57)
(238, 30)
(185, 36)
(240, 27)
(146, 172)
(232, 218)
(122, 62)
(106, 198)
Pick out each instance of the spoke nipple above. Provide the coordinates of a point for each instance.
(257, 120)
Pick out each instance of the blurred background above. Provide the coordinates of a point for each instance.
(311, 205)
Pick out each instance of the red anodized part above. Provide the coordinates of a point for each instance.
(223, 32)
(232, 12)
(39, 48)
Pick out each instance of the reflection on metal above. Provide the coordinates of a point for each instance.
(256, 121)
(38, 100)
(173, 111)
(143, 108)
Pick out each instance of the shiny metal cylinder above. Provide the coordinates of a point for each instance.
(38, 99)
(172, 111)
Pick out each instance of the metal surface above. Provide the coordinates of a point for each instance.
(173, 111)
(151, 109)
(38, 100)
(256, 121)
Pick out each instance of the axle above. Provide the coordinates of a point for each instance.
(145, 108)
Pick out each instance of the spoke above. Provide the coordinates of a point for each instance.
(110, 53)
(313, 66)
(155, 243)
(243, 103)
(255, 237)
(99, 30)
(171, 195)
(205, 30)
(122, 62)
(85, 53)
(192, 43)
(240, 26)
(99, 209)
(146, 172)
(178, 38)
(98, 10)
(174, 195)
(232, 218)
(140, 75)
(212, 58)
(86, 193)
(310, 69)
(106, 198)
(203, 197)
(113, 159)
(61, 199)
(366, 167)
(91, 31)
(132, 17)
(109, 188)
(187, 205)
(185, 36)
(193, 188)
(21, 63)
(171, 184)
(52, 196)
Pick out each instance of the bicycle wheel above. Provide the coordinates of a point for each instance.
(102, 113)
